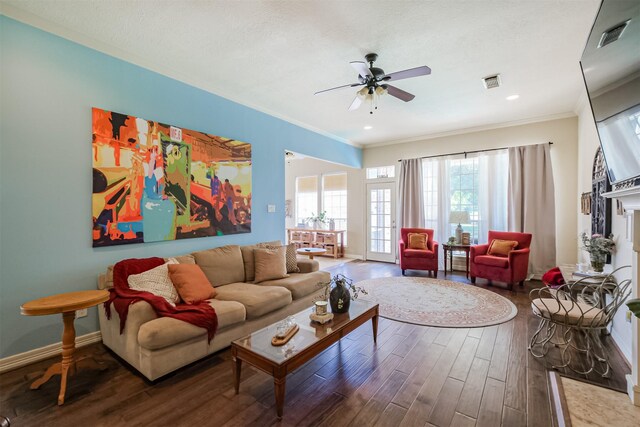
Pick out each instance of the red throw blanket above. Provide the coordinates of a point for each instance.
(553, 278)
(200, 314)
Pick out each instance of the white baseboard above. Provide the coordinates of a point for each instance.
(353, 256)
(37, 354)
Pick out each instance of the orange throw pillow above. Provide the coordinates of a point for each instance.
(501, 247)
(191, 283)
(417, 240)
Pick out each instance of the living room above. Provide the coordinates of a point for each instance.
(241, 77)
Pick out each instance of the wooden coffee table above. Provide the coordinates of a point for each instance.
(65, 304)
(311, 340)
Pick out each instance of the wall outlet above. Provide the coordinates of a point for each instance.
(271, 208)
(81, 313)
(628, 315)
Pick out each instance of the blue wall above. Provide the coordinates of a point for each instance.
(48, 86)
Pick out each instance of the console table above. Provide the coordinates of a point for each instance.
(332, 241)
(450, 248)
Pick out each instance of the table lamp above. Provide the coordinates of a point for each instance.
(461, 217)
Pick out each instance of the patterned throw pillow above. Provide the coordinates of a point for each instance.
(157, 282)
(291, 257)
(417, 241)
(501, 247)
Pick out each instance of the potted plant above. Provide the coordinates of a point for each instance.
(338, 291)
(598, 247)
(318, 221)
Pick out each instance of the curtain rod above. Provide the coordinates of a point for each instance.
(466, 152)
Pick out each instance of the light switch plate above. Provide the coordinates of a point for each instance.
(271, 208)
(81, 313)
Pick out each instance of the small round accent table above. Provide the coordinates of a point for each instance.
(67, 304)
(310, 252)
(450, 248)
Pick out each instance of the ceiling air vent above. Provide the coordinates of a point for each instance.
(613, 33)
(491, 81)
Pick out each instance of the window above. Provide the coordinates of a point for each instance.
(306, 197)
(381, 172)
(463, 184)
(334, 199)
(477, 185)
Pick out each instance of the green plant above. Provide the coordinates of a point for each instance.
(321, 217)
(337, 280)
(597, 245)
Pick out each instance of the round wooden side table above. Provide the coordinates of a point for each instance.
(310, 252)
(67, 304)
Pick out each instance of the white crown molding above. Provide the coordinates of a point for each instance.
(37, 354)
(160, 68)
(474, 129)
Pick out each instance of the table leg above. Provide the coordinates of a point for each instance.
(467, 259)
(279, 387)
(310, 256)
(445, 261)
(237, 370)
(374, 324)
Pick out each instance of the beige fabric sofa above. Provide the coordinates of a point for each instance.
(157, 346)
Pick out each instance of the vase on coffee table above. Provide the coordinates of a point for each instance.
(340, 297)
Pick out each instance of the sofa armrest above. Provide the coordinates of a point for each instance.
(478, 250)
(308, 265)
(402, 245)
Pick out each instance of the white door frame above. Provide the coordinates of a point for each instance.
(381, 256)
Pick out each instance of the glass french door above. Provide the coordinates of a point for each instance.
(381, 222)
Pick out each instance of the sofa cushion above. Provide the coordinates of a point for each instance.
(417, 240)
(249, 260)
(157, 282)
(221, 265)
(258, 300)
(565, 311)
(492, 261)
(306, 265)
(107, 281)
(166, 331)
(301, 285)
(270, 263)
(419, 253)
(191, 283)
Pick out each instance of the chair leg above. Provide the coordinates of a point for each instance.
(473, 279)
(511, 286)
(403, 272)
(522, 284)
(435, 274)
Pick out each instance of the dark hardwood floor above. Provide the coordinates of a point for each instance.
(414, 376)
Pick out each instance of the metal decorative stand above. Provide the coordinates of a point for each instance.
(574, 318)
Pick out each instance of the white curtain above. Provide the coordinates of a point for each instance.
(531, 203)
(410, 195)
(437, 200)
(493, 176)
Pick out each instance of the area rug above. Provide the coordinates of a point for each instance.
(435, 302)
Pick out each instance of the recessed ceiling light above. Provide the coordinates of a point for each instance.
(512, 97)
(368, 127)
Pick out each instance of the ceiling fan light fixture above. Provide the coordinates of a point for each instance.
(381, 91)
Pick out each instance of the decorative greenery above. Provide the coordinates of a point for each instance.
(321, 217)
(597, 245)
(336, 281)
(634, 306)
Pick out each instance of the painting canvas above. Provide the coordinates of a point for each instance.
(154, 182)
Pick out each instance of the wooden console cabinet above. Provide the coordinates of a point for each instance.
(330, 240)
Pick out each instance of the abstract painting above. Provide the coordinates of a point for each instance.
(154, 182)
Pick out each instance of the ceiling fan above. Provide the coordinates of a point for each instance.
(375, 83)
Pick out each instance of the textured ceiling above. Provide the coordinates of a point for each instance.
(273, 55)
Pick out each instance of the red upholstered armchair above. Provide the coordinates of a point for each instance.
(508, 269)
(418, 259)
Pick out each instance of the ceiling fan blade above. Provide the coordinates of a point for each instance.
(340, 87)
(399, 93)
(357, 102)
(406, 74)
(361, 68)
